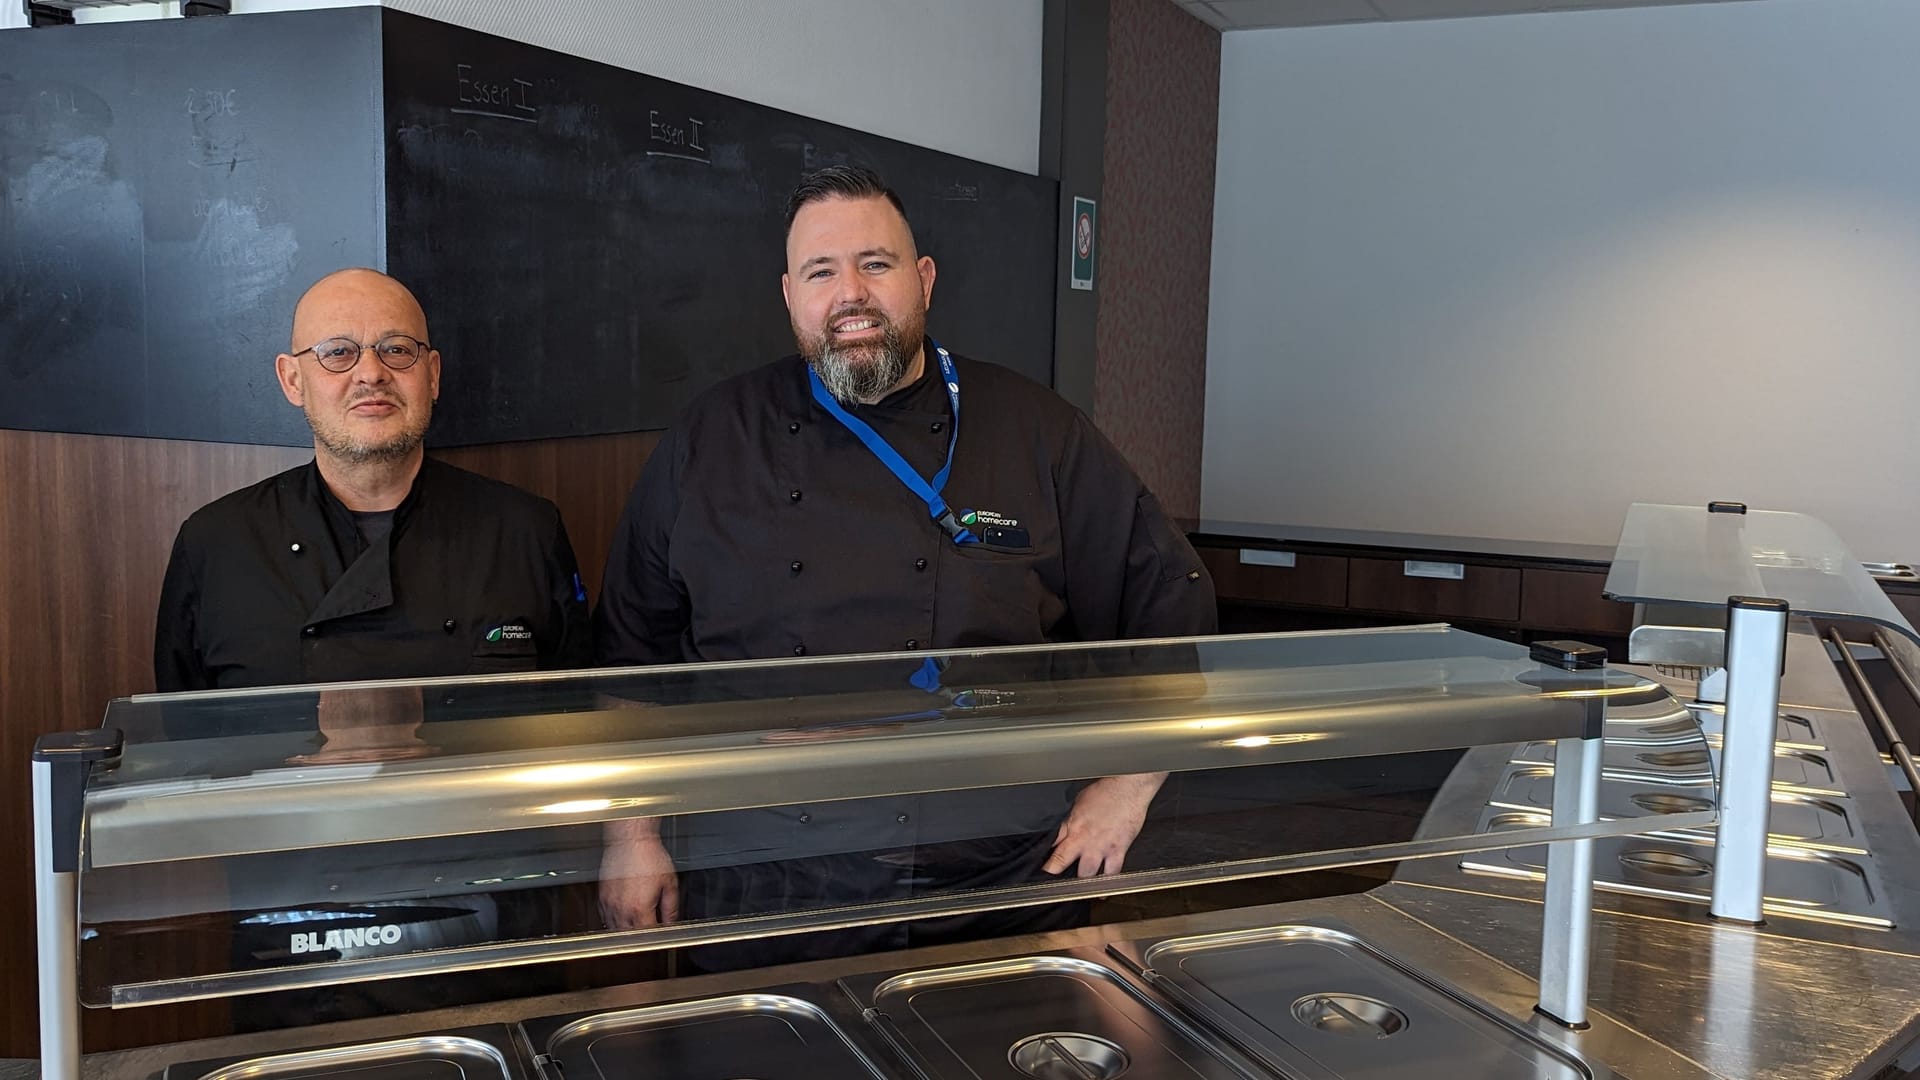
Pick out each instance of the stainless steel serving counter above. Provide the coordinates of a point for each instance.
(1806, 996)
(1674, 994)
(1411, 941)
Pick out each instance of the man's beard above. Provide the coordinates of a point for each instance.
(861, 373)
(353, 450)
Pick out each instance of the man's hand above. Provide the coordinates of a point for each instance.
(638, 886)
(1102, 824)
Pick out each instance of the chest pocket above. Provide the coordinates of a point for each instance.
(502, 646)
(994, 596)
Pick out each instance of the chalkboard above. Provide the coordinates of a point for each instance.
(593, 246)
(167, 191)
(609, 243)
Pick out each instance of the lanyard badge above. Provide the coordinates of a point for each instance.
(927, 490)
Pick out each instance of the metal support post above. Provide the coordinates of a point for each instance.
(57, 913)
(1566, 940)
(1566, 932)
(60, 767)
(1756, 653)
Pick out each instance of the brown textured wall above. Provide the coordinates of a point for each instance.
(1156, 243)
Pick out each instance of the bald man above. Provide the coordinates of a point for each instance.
(373, 561)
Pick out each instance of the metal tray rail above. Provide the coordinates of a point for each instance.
(1801, 883)
(1824, 823)
(1804, 772)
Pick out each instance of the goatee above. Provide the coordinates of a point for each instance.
(860, 373)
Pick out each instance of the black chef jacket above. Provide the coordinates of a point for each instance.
(761, 527)
(273, 585)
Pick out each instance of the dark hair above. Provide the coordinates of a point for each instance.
(842, 182)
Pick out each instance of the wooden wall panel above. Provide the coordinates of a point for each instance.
(85, 527)
(86, 523)
(587, 478)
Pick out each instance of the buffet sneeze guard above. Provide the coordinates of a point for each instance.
(1736, 576)
(227, 843)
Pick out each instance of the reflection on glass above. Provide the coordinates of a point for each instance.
(939, 783)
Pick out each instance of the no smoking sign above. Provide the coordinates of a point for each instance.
(1084, 222)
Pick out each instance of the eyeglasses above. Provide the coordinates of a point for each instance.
(397, 351)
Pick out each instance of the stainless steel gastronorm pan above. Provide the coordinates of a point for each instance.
(1316, 1001)
(767, 1036)
(483, 1054)
(1036, 1018)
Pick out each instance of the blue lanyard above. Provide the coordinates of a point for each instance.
(929, 491)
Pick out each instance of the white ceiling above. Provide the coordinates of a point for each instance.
(1256, 14)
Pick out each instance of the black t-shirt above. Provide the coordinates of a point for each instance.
(374, 525)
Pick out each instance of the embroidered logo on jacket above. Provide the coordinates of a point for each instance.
(988, 517)
(510, 632)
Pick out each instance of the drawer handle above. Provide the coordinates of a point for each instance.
(1263, 557)
(1445, 571)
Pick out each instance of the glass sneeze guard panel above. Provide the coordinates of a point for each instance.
(1690, 556)
(300, 836)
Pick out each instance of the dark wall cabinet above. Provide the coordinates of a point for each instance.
(1267, 586)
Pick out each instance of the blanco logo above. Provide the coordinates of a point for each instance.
(357, 937)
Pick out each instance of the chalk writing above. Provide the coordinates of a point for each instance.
(508, 98)
(682, 137)
(206, 103)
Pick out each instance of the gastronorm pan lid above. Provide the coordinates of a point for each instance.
(769, 1035)
(479, 1053)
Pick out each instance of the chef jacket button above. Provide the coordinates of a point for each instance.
(793, 428)
(295, 548)
(901, 818)
(794, 495)
(919, 564)
(939, 426)
(448, 626)
(913, 643)
(796, 566)
(806, 818)
(799, 650)
(311, 631)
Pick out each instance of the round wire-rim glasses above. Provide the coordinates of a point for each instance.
(339, 355)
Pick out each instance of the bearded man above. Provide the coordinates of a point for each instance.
(831, 503)
(372, 561)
